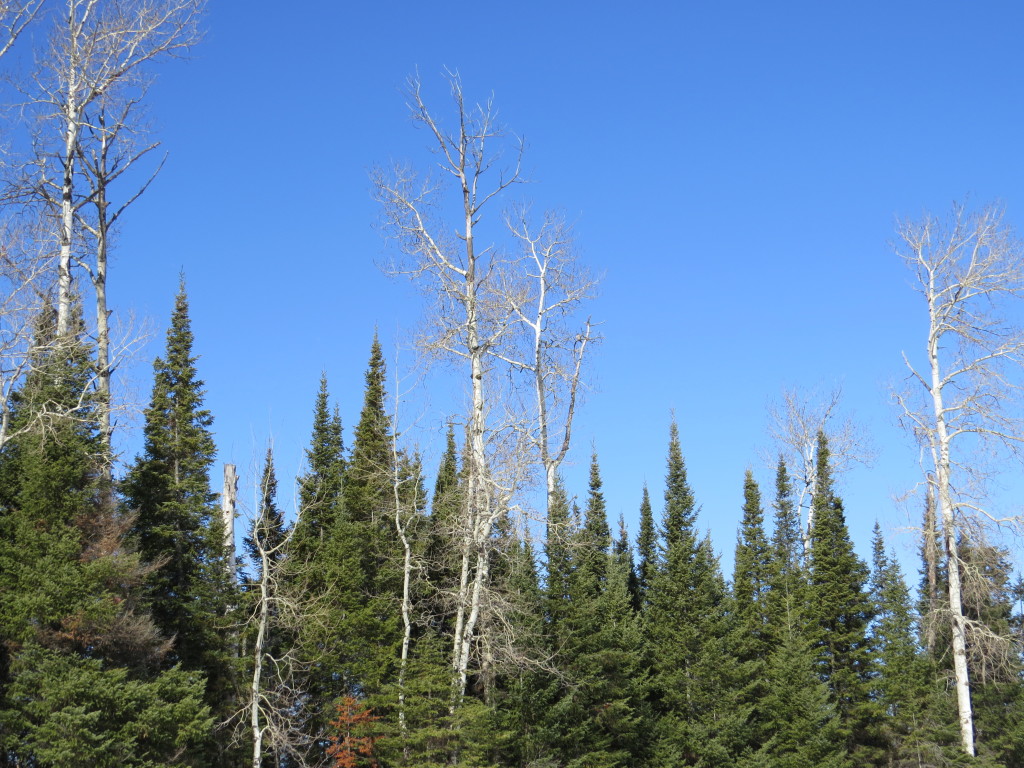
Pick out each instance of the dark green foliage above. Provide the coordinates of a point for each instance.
(267, 530)
(168, 489)
(593, 715)
(443, 561)
(647, 552)
(80, 679)
(593, 540)
(699, 721)
(320, 486)
(839, 614)
(177, 523)
(787, 578)
(558, 556)
(804, 730)
(623, 550)
(77, 712)
(752, 640)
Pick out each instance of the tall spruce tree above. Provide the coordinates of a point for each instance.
(751, 636)
(787, 577)
(320, 486)
(559, 560)
(840, 613)
(646, 551)
(699, 722)
(368, 522)
(177, 523)
(268, 528)
(902, 685)
(80, 677)
(330, 581)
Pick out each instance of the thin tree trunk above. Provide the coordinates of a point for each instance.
(255, 694)
(943, 468)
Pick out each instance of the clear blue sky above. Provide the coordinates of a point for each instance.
(735, 171)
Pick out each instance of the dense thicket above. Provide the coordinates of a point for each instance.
(124, 636)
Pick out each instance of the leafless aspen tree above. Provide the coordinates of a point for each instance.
(456, 272)
(960, 403)
(274, 693)
(543, 290)
(14, 18)
(24, 282)
(794, 424)
(96, 57)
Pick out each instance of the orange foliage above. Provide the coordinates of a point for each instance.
(353, 746)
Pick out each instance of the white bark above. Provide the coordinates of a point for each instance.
(966, 270)
(543, 290)
(14, 18)
(458, 272)
(228, 507)
(99, 51)
(794, 424)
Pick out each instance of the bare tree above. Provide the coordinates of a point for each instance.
(25, 262)
(794, 423)
(960, 402)
(274, 693)
(542, 291)
(99, 52)
(112, 141)
(456, 272)
(14, 18)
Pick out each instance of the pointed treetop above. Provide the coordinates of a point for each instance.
(680, 511)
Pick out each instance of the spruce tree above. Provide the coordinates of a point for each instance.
(330, 580)
(840, 612)
(751, 637)
(268, 529)
(177, 523)
(902, 685)
(559, 561)
(367, 522)
(593, 540)
(592, 707)
(80, 677)
(320, 486)
(647, 552)
(787, 577)
(685, 625)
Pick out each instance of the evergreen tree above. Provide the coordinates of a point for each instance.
(699, 722)
(268, 527)
(368, 479)
(902, 687)
(320, 487)
(591, 709)
(593, 540)
(368, 523)
(840, 613)
(752, 641)
(80, 682)
(330, 579)
(623, 550)
(647, 552)
(177, 523)
(804, 729)
(787, 578)
(442, 559)
(558, 555)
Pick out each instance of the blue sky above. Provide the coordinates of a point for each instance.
(735, 171)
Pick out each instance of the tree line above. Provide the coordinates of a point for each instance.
(391, 622)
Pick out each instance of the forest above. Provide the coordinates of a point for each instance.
(478, 610)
